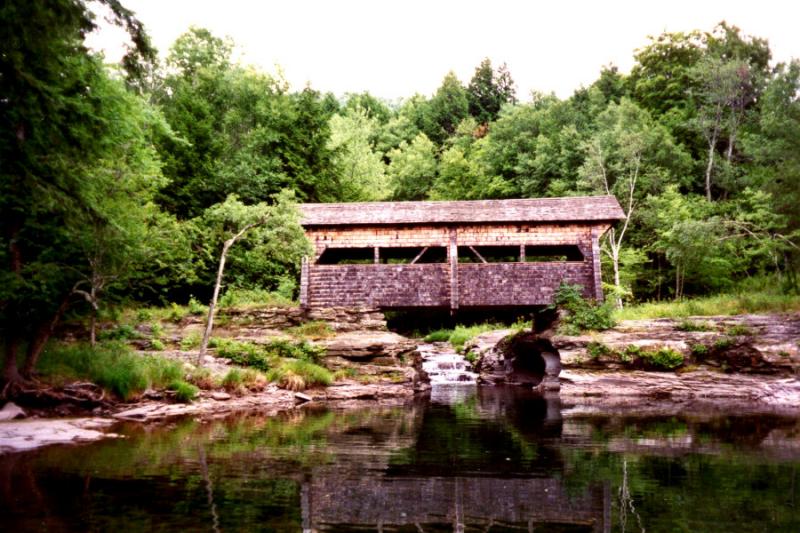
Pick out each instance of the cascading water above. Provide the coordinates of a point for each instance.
(444, 365)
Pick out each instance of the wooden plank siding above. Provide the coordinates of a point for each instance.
(456, 225)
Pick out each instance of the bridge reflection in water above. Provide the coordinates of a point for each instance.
(488, 462)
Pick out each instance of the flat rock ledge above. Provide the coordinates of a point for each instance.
(267, 403)
(630, 387)
(24, 435)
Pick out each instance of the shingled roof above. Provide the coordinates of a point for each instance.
(569, 209)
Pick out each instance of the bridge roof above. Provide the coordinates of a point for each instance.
(569, 209)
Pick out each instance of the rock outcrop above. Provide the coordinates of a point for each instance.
(750, 344)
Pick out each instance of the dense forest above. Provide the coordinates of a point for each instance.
(120, 183)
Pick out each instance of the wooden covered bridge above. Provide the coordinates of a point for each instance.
(467, 254)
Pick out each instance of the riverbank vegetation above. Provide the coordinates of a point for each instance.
(121, 184)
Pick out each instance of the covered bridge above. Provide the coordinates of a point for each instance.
(466, 254)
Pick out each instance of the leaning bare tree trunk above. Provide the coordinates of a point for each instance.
(209, 324)
(213, 304)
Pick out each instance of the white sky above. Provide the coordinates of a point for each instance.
(394, 49)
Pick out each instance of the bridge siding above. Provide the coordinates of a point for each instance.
(566, 221)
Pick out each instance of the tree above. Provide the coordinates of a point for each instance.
(232, 220)
(448, 107)
(412, 169)
(489, 90)
(725, 89)
(361, 170)
(52, 123)
(629, 156)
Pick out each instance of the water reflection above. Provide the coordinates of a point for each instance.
(470, 459)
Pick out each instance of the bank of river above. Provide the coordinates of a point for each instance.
(458, 459)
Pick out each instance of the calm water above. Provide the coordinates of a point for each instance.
(466, 460)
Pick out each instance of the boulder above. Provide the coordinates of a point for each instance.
(10, 411)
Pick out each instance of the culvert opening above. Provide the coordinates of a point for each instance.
(530, 360)
(527, 369)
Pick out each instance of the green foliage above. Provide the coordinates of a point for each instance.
(157, 345)
(699, 350)
(190, 341)
(582, 314)
(143, 315)
(316, 329)
(440, 335)
(195, 307)
(177, 313)
(630, 353)
(184, 392)
(739, 330)
(723, 343)
(233, 380)
(691, 325)
(298, 375)
(111, 365)
(244, 298)
(663, 358)
(765, 296)
(598, 349)
(121, 332)
(242, 353)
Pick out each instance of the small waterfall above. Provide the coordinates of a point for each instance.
(444, 365)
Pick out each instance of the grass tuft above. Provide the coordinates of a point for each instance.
(112, 365)
(184, 392)
(298, 375)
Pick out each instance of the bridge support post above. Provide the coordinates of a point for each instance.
(598, 280)
(453, 256)
(304, 282)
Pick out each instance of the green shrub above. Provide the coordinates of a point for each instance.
(582, 314)
(184, 392)
(191, 341)
(234, 297)
(597, 349)
(202, 378)
(630, 353)
(316, 329)
(723, 343)
(298, 375)
(462, 334)
(242, 353)
(295, 350)
(195, 307)
(233, 380)
(143, 315)
(156, 330)
(111, 365)
(699, 350)
(157, 345)
(665, 358)
(122, 332)
(440, 335)
(176, 313)
(689, 325)
(739, 331)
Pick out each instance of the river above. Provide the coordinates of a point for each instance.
(462, 459)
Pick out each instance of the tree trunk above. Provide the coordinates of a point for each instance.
(10, 373)
(40, 338)
(710, 166)
(214, 297)
(93, 328)
(617, 284)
